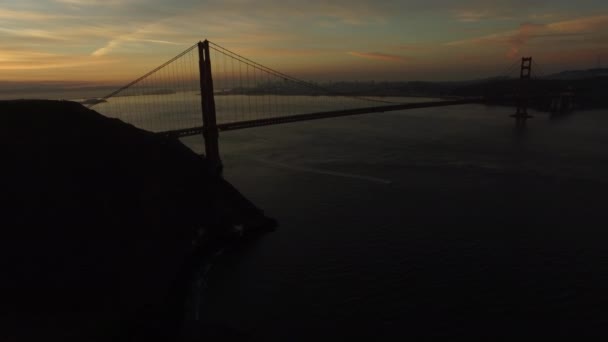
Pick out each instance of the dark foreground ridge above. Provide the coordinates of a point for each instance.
(98, 221)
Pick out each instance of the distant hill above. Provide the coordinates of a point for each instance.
(88, 93)
(579, 74)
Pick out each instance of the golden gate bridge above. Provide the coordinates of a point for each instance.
(208, 89)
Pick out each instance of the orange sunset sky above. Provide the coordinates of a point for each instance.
(114, 41)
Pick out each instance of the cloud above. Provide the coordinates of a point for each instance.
(316, 34)
(34, 34)
(92, 2)
(542, 16)
(580, 25)
(520, 38)
(111, 45)
(472, 15)
(16, 60)
(378, 56)
(350, 12)
(115, 43)
(146, 34)
(26, 15)
(283, 52)
(515, 40)
(480, 10)
(417, 47)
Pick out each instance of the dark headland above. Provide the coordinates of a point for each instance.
(103, 225)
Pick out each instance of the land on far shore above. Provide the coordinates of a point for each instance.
(588, 86)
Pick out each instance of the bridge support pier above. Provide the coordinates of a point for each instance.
(524, 89)
(210, 130)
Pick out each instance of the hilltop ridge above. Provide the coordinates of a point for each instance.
(98, 224)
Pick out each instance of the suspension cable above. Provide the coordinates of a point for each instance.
(276, 73)
(118, 91)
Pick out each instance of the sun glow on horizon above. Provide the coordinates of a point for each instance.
(117, 40)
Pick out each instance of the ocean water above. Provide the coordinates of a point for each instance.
(437, 222)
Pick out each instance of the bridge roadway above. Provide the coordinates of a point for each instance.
(180, 133)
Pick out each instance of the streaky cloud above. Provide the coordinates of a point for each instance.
(516, 39)
(378, 56)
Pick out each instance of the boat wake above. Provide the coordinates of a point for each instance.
(322, 172)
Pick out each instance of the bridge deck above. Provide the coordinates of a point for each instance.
(319, 115)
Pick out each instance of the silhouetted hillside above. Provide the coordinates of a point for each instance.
(579, 74)
(588, 93)
(98, 221)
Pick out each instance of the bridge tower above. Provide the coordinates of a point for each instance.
(523, 96)
(210, 130)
